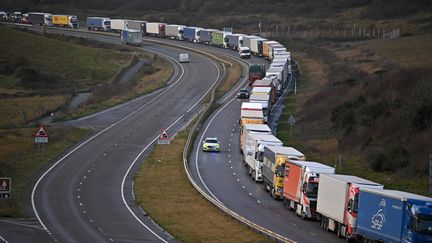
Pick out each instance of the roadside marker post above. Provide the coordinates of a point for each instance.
(291, 121)
(5, 188)
(164, 139)
(41, 137)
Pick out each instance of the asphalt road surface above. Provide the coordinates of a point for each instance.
(87, 195)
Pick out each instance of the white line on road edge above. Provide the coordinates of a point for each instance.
(3, 239)
(198, 149)
(139, 155)
(90, 139)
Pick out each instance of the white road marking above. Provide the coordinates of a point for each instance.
(250, 194)
(198, 151)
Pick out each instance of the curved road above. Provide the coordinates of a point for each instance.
(224, 176)
(87, 195)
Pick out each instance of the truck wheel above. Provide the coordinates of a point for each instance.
(303, 215)
(322, 222)
(338, 230)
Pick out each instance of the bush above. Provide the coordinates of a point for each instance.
(422, 117)
(344, 118)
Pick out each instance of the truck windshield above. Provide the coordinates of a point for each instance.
(312, 190)
(423, 225)
(280, 170)
(107, 23)
(355, 205)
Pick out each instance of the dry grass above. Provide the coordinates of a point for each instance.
(313, 133)
(175, 204)
(18, 111)
(233, 75)
(407, 52)
(147, 83)
(20, 159)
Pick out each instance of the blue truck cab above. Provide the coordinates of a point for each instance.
(394, 216)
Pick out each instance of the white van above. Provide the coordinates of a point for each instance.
(244, 52)
(184, 57)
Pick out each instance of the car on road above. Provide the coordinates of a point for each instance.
(243, 94)
(211, 144)
(184, 57)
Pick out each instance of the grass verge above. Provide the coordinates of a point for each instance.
(175, 204)
(180, 209)
(20, 159)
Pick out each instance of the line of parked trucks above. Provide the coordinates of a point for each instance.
(352, 207)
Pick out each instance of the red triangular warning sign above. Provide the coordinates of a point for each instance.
(41, 132)
(164, 135)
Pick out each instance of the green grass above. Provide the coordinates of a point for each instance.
(20, 159)
(85, 66)
(175, 204)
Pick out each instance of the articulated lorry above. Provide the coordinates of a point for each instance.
(266, 83)
(337, 202)
(393, 216)
(274, 167)
(67, 21)
(277, 75)
(266, 48)
(174, 31)
(219, 39)
(39, 19)
(234, 41)
(137, 25)
(192, 34)
(252, 128)
(131, 37)
(301, 186)
(253, 152)
(256, 71)
(98, 23)
(206, 36)
(155, 29)
(282, 72)
(264, 100)
(256, 46)
(251, 113)
(117, 25)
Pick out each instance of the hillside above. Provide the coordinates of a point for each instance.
(413, 16)
(368, 102)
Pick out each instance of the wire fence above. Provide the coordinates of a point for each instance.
(354, 33)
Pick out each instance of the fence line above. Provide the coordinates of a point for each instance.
(357, 33)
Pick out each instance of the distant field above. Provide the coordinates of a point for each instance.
(18, 111)
(408, 52)
(83, 66)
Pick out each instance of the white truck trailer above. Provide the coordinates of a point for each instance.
(253, 148)
(174, 31)
(117, 25)
(337, 202)
(253, 128)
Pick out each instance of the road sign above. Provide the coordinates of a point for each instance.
(291, 120)
(41, 136)
(5, 188)
(164, 138)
